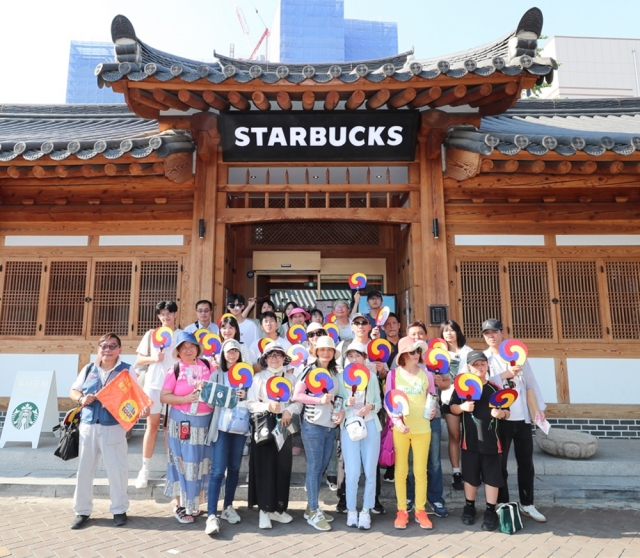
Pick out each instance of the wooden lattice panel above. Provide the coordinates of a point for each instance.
(111, 297)
(579, 300)
(309, 233)
(65, 299)
(530, 300)
(623, 281)
(480, 286)
(20, 298)
(158, 282)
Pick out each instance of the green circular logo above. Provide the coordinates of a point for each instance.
(25, 415)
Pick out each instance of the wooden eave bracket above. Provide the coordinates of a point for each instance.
(461, 165)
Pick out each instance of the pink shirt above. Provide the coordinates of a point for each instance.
(188, 377)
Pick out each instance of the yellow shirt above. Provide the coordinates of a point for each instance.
(416, 388)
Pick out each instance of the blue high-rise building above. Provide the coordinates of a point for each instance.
(82, 85)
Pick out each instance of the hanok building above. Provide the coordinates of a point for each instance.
(430, 176)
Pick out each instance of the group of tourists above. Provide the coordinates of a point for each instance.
(343, 432)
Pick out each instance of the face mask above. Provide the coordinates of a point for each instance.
(276, 370)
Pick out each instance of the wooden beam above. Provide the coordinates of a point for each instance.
(117, 170)
(550, 181)
(178, 167)
(13, 171)
(403, 98)
(144, 97)
(486, 166)
(394, 215)
(462, 164)
(449, 95)
(355, 99)
(284, 100)
(331, 100)
(260, 101)
(182, 122)
(308, 100)
(43, 172)
(143, 169)
(596, 411)
(426, 97)
(631, 168)
(562, 167)
(89, 171)
(498, 107)
(215, 100)
(586, 167)
(169, 99)
(531, 167)
(192, 100)
(68, 171)
(319, 188)
(238, 101)
(498, 93)
(610, 168)
(505, 166)
(378, 99)
(474, 94)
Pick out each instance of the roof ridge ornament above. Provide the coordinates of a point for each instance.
(530, 25)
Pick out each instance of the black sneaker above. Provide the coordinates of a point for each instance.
(119, 519)
(468, 515)
(332, 483)
(342, 505)
(457, 483)
(79, 521)
(410, 506)
(378, 508)
(389, 475)
(490, 521)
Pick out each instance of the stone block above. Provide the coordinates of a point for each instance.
(567, 443)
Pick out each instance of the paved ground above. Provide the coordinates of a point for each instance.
(40, 527)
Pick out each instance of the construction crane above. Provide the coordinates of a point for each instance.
(245, 30)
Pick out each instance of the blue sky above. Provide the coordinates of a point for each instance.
(35, 35)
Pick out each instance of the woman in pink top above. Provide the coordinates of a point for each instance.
(189, 458)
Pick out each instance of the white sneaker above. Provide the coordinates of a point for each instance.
(245, 450)
(282, 517)
(265, 520)
(230, 515)
(364, 520)
(533, 513)
(143, 478)
(352, 518)
(317, 520)
(213, 525)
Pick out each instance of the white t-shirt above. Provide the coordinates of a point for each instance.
(249, 332)
(192, 328)
(156, 372)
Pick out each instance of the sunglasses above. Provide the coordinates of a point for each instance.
(235, 305)
(360, 323)
(110, 347)
(319, 333)
(418, 350)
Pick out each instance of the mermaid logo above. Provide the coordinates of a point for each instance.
(24, 416)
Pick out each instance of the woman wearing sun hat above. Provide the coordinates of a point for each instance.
(270, 469)
(413, 431)
(189, 458)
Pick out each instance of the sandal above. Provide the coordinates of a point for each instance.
(181, 515)
(196, 513)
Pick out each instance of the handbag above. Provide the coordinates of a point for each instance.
(509, 517)
(69, 445)
(262, 425)
(356, 428)
(235, 421)
(387, 451)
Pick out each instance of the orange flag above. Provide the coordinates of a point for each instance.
(124, 399)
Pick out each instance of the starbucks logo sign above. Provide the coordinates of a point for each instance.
(24, 416)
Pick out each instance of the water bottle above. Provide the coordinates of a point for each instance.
(430, 405)
(337, 407)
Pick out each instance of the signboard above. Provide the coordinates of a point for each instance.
(33, 407)
(319, 136)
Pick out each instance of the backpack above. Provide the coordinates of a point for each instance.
(509, 517)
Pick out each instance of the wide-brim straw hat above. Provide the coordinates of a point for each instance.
(407, 345)
(325, 342)
(271, 348)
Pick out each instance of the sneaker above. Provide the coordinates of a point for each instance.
(79, 521)
(402, 518)
(317, 520)
(423, 519)
(230, 515)
(468, 515)
(342, 505)
(213, 525)
(281, 517)
(332, 483)
(352, 518)
(307, 514)
(458, 483)
(533, 513)
(119, 519)
(490, 521)
(245, 450)
(364, 520)
(388, 476)
(143, 478)
(265, 520)
(410, 506)
(378, 508)
(439, 509)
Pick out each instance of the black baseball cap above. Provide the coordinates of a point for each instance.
(374, 293)
(475, 356)
(491, 324)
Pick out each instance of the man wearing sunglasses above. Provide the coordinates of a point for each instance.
(249, 332)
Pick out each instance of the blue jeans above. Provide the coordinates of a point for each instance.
(362, 454)
(435, 486)
(226, 455)
(318, 446)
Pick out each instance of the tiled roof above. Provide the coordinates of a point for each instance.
(84, 131)
(564, 126)
(511, 55)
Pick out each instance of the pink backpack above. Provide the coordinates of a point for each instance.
(387, 451)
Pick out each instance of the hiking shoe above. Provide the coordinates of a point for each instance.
(265, 520)
(230, 515)
(423, 519)
(332, 483)
(458, 482)
(79, 521)
(328, 518)
(281, 517)
(143, 478)
(364, 520)
(318, 521)
(352, 518)
(119, 519)
(213, 525)
(439, 509)
(533, 513)
(490, 521)
(468, 515)
(378, 508)
(402, 518)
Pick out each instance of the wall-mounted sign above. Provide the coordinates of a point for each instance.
(318, 136)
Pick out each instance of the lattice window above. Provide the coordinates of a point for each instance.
(530, 300)
(158, 282)
(65, 300)
(623, 280)
(480, 295)
(579, 300)
(310, 233)
(111, 298)
(20, 298)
